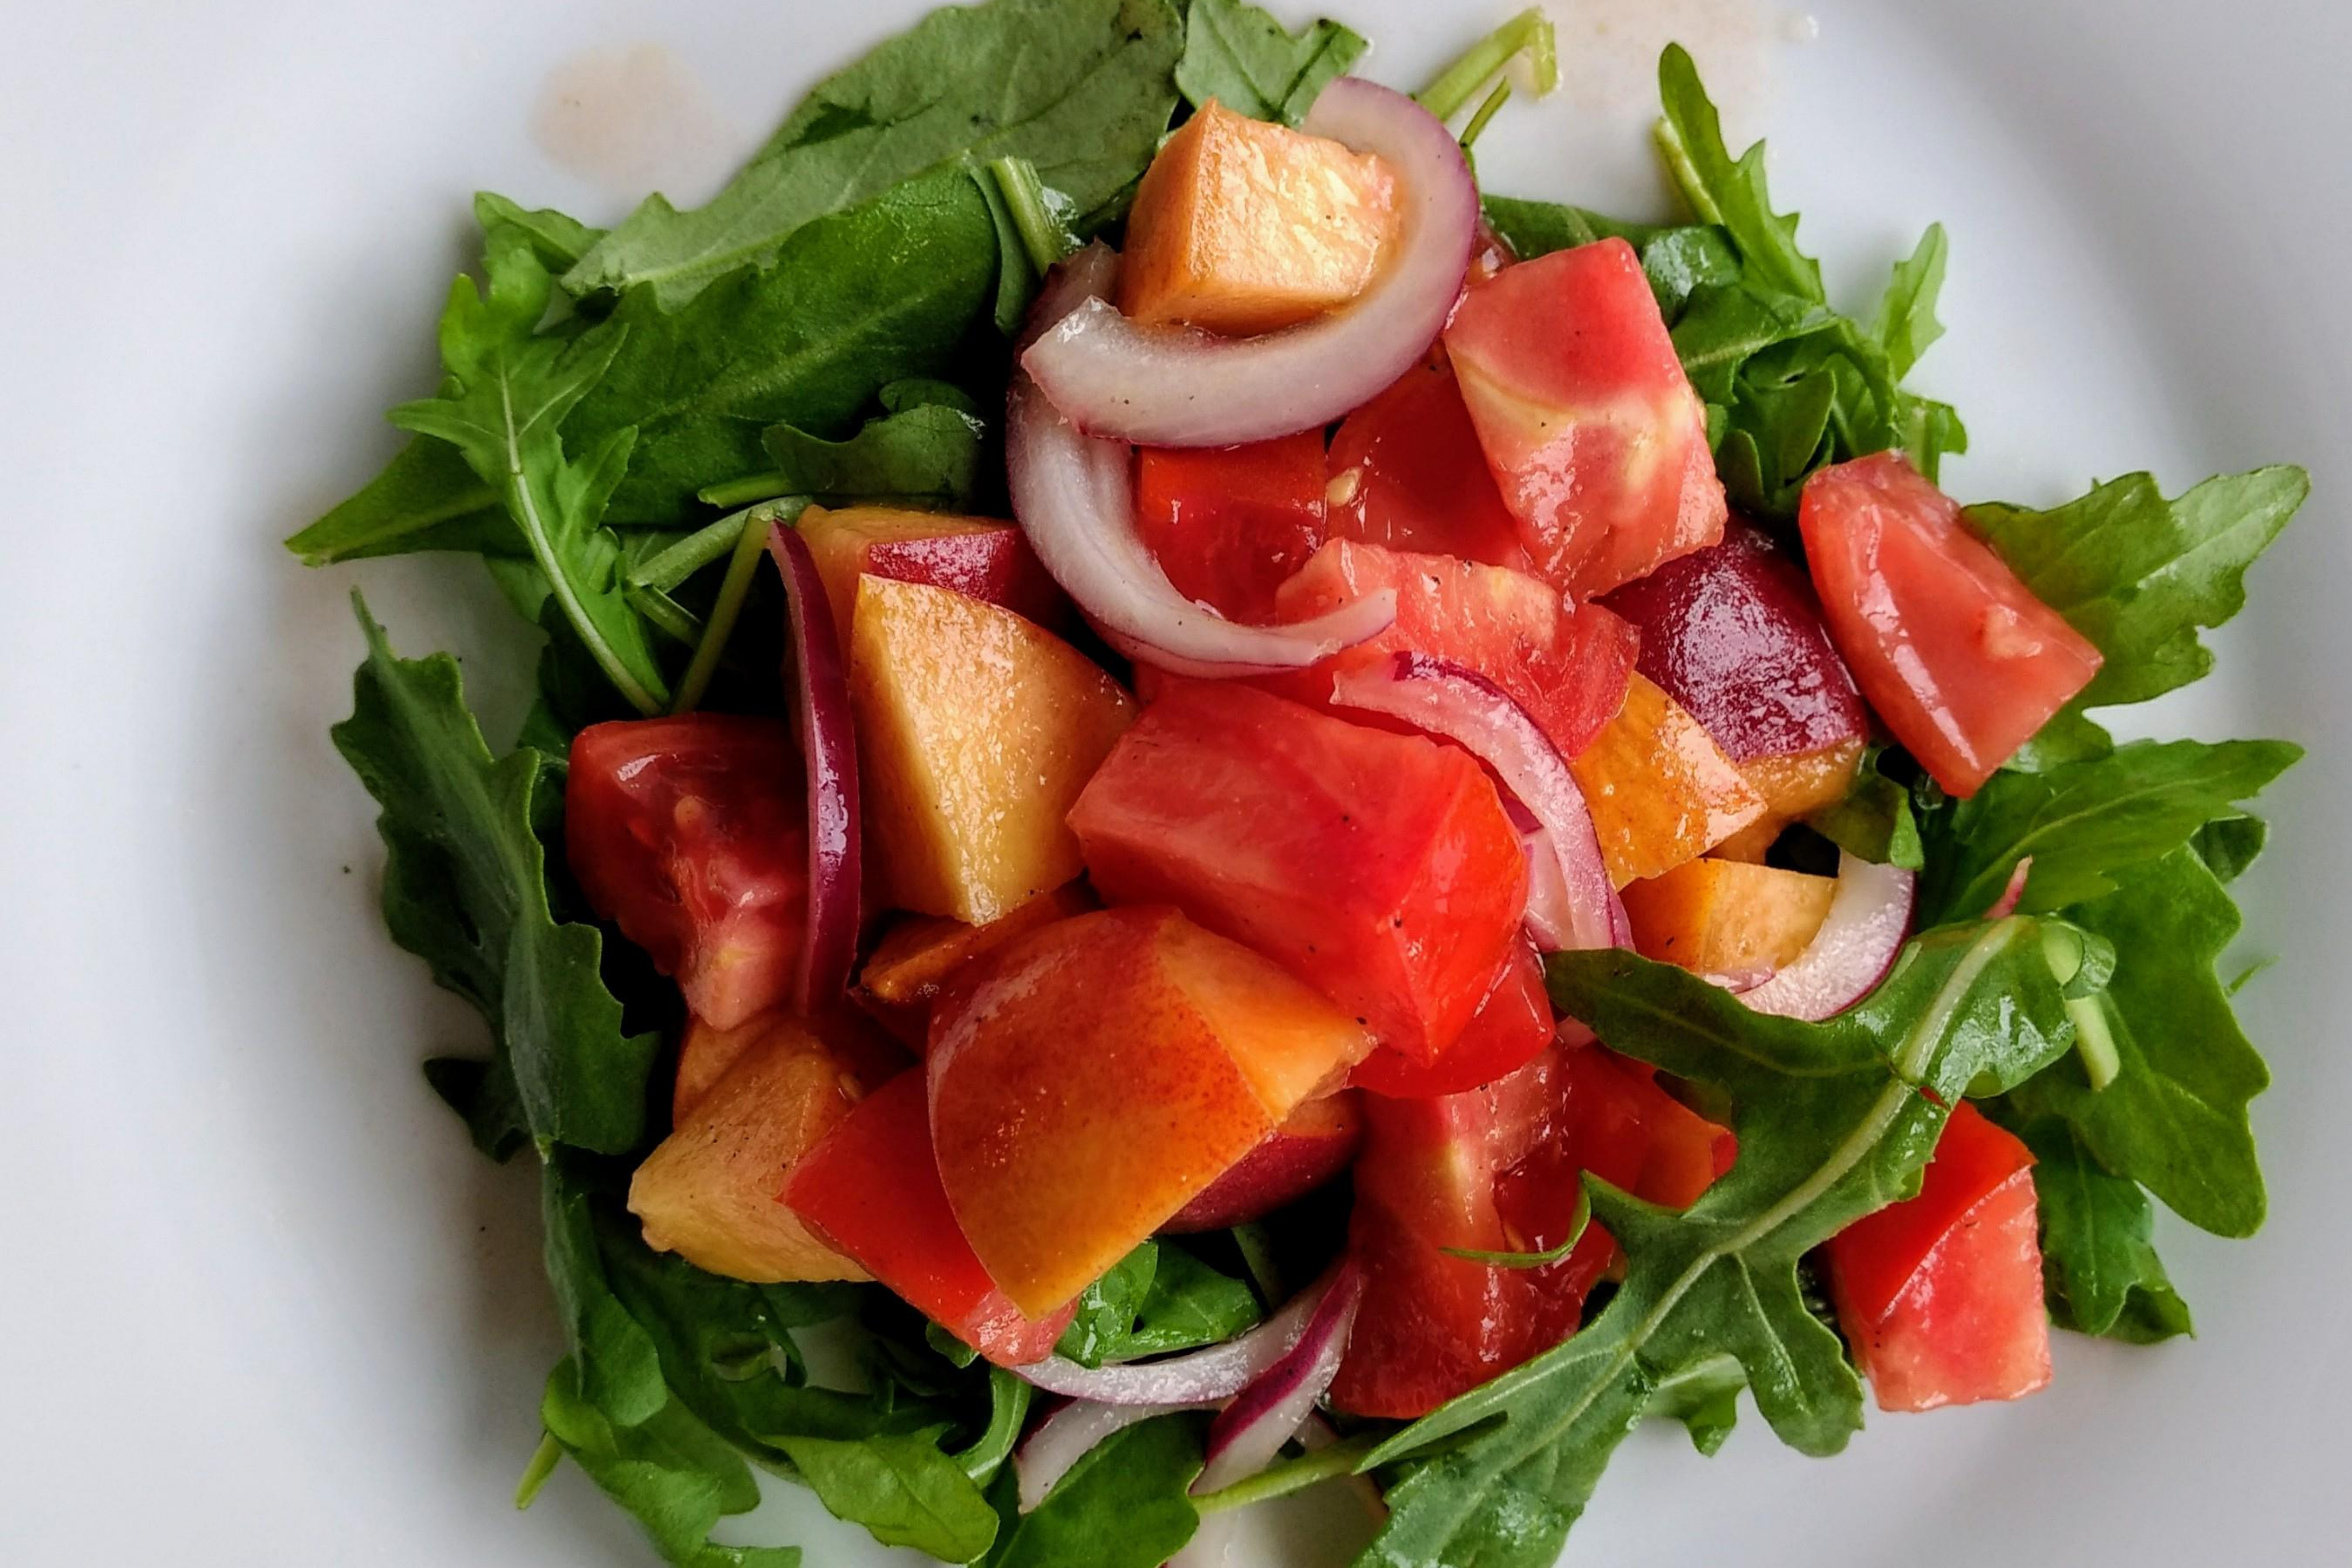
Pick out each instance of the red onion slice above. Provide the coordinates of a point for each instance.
(1074, 497)
(1869, 917)
(1174, 387)
(1198, 1377)
(829, 748)
(1463, 706)
(1070, 1435)
(1250, 1432)
(2006, 905)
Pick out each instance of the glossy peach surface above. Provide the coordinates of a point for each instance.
(1727, 918)
(1661, 790)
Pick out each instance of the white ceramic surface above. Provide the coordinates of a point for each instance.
(261, 1305)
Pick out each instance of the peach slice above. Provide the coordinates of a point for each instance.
(919, 955)
(974, 556)
(1090, 1079)
(976, 730)
(1793, 787)
(1298, 1157)
(1661, 791)
(1728, 917)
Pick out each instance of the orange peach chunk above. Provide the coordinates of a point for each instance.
(1727, 918)
(1661, 790)
(1793, 787)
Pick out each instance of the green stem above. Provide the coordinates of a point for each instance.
(2095, 1039)
(750, 544)
(674, 565)
(666, 615)
(1549, 1255)
(1044, 233)
(745, 491)
(1685, 173)
(1296, 1475)
(543, 1460)
(1530, 32)
(1010, 1399)
(1487, 111)
(1258, 1257)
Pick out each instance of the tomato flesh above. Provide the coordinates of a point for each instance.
(1956, 654)
(1229, 524)
(1511, 1028)
(1941, 1295)
(1407, 473)
(1596, 438)
(1378, 867)
(691, 834)
(871, 1188)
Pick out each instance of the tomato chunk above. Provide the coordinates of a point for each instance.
(1512, 1028)
(1593, 432)
(1568, 667)
(1941, 1295)
(1230, 524)
(1378, 867)
(1407, 473)
(1958, 657)
(871, 1187)
(691, 834)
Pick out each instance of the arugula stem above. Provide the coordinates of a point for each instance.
(2095, 1039)
(1530, 32)
(1487, 111)
(681, 560)
(543, 1460)
(1549, 1255)
(666, 615)
(1342, 1458)
(1257, 1256)
(1685, 171)
(1010, 1399)
(751, 546)
(1044, 233)
(745, 491)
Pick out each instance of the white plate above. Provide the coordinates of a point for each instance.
(261, 1303)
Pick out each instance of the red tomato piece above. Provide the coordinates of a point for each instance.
(1568, 667)
(1941, 1295)
(1378, 867)
(1512, 1028)
(1407, 473)
(691, 834)
(871, 1188)
(1498, 1169)
(1956, 655)
(1229, 523)
(1595, 435)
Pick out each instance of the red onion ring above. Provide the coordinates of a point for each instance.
(1074, 497)
(1068, 1435)
(829, 750)
(1198, 1377)
(1447, 700)
(1870, 916)
(1250, 1432)
(1176, 387)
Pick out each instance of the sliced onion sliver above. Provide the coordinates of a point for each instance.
(1445, 699)
(1172, 388)
(1250, 1432)
(1869, 916)
(1070, 1435)
(829, 750)
(1208, 1376)
(1075, 501)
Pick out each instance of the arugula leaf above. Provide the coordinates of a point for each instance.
(1676, 259)
(465, 888)
(426, 498)
(2228, 845)
(1159, 1298)
(902, 1489)
(1107, 1308)
(1549, 1255)
(559, 241)
(2086, 821)
(1833, 1124)
(2099, 1266)
(2138, 575)
(1721, 191)
(1009, 1397)
(2174, 1119)
(616, 1367)
(1122, 1506)
(1907, 323)
(1705, 1397)
(854, 302)
(1876, 820)
(509, 392)
(928, 454)
(1240, 56)
(1083, 88)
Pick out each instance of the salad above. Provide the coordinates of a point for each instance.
(1209, 813)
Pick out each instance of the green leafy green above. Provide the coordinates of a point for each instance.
(1009, 1397)
(426, 498)
(2099, 1267)
(559, 241)
(1876, 820)
(1705, 1397)
(1159, 1298)
(1531, 33)
(1122, 1506)
(901, 1488)
(1833, 1124)
(1239, 55)
(1107, 1308)
(1676, 259)
(2175, 1118)
(465, 888)
(1081, 89)
(2081, 823)
(2230, 845)
(1041, 216)
(2138, 575)
(928, 454)
(1907, 323)
(1728, 193)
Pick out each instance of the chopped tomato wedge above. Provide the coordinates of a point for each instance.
(1407, 473)
(1498, 1169)
(1941, 1295)
(871, 1188)
(1512, 1028)
(1594, 435)
(1378, 867)
(691, 835)
(1568, 667)
(1958, 657)
(1230, 524)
